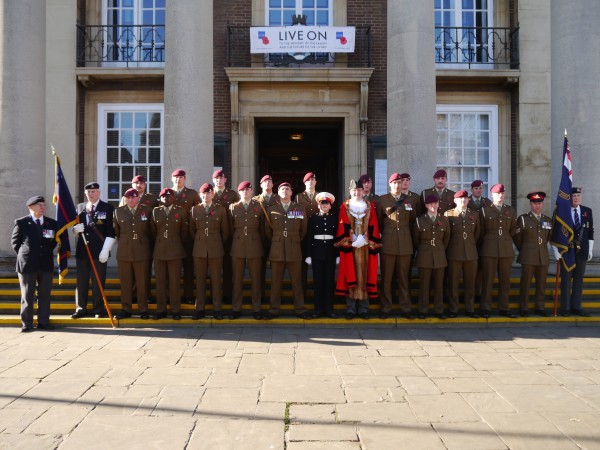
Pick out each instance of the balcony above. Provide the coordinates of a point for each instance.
(477, 48)
(238, 53)
(121, 46)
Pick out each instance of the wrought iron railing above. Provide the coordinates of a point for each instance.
(478, 46)
(120, 45)
(238, 52)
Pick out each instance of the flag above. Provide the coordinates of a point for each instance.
(562, 224)
(66, 216)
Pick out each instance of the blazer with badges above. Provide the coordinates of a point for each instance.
(483, 201)
(33, 245)
(310, 205)
(187, 198)
(134, 234)
(464, 234)
(497, 229)
(446, 199)
(587, 232)
(395, 222)
(248, 230)
(431, 240)
(100, 227)
(321, 225)
(531, 239)
(209, 230)
(286, 231)
(169, 230)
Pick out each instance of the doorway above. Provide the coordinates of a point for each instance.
(287, 150)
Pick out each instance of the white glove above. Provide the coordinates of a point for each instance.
(308, 260)
(557, 254)
(337, 260)
(360, 241)
(591, 252)
(105, 252)
(77, 229)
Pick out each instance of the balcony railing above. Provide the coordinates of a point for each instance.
(238, 52)
(120, 45)
(483, 47)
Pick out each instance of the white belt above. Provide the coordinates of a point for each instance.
(324, 237)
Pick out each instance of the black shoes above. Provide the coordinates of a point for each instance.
(485, 314)
(364, 316)
(472, 315)
(188, 300)
(304, 315)
(383, 315)
(122, 315)
(269, 315)
(217, 315)
(198, 315)
(47, 327)
(332, 316)
(234, 315)
(452, 315)
(580, 312)
(441, 316)
(176, 316)
(408, 316)
(524, 313)
(421, 316)
(144, 316)
(100, 315)
(350, 315)
(257, 315)
(159, 315)
(26, 329)
(541, 313)
(507, 313)
(79, 314)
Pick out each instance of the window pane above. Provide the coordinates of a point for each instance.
(112, 120)
(148, 3)
(147, 18)
(112, 156)
(484, 122)
(322, 3)
(112, 138)
(308, 3)
(114, 191)
(469, 140)
(274, 3)
(456, 139)
(287, 16)
(484, 139)
(274, 18)
(114, 174)
(442, 157)
(154, 175)
(483, 157)
(289, 4)
(154, 138)
(322, 18)
(126, 120)
(140, 155)
(470, 156)
(127, 175)
(126, 156)
(310, 17)
(154, 155)
(455, 156)
(126, 138)
(140, 137)
(455, 122)
(154, 120)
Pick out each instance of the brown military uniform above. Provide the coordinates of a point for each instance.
(477, 205)
(462, 256)
(372, 197)
(147, 199)
(396, 218)
(265, 203)
(133, 252)
(286, 231)
(310, 204)
(225, 198)
(431, 240)
(247, 246)
(531, 239)
(187, 198)
(496, 252)
(170, 231)
(446, 199)
(210, 231)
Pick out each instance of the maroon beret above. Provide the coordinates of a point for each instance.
(218, 173)
(394, 177)
(460, 194)
(364, 178)
(265, 178)
(206, 187)
(497, 188)
(131, 193)
(244, 185)
(138, 178)
(308, 176)
(477, 183)
(536, 197)
(166, 191)
(440, 173)
(404, 176)
(285, 183)
(178, 173)
(431, 198)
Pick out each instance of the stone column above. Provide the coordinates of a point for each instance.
(411, 93)
(189, 128)
(22, 111)
(575, 94)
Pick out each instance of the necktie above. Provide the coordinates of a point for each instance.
(38, 222)
(91, 215)
(285, 207)
(246, 206)
(207, 209)
(476, 202)
(577, 221)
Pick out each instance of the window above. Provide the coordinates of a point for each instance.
(461, 31)
(135, 31)
(130, 142)
(467, 144)
(280, 12)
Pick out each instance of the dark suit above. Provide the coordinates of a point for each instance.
(571, 283)
(99, 228)
(33, 245)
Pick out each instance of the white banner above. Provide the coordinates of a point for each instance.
(302, 39)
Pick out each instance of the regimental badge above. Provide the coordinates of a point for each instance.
(48, 233)
(101, 215)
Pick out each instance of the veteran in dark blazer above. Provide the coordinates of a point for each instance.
(247, 248)
(186, 198)
(445, 195)
(531, 238)
(170, 229)
(209, 227)
(286, 228)
(498, 226)
(96, 224)
(431, 235)
(33, 240)
(132, 229)
(396, 212)
(462, 253)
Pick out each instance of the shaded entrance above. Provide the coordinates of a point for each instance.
(289, 149)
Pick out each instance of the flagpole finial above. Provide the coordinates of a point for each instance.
(52, 148)
(565, 132)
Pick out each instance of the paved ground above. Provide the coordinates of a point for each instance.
(458, 387)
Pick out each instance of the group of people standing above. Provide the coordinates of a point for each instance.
(453, 238)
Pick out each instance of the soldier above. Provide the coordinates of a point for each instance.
(33, 240)
(96, 224)
(266, 199)
(209, 225)
(445, 195)
(286, 228)
(431, 234)
(498, 225)
(186, 198)
(571, 283)
(358, 240)
(397, 212)
(132, 229)
(531, 238)
(477, 199)
(462, 253)
(367, 183)
(247, 246)
(308, 199)
(225, 197)
(146, 198)
(170, 229)
(322, 254)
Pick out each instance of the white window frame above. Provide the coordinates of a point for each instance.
(103, 109)
(494, 165)
(298, 11)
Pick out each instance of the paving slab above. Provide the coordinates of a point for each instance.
(252, 364)
(469, 436)
(372, 395)
(442, 408)
(229, 434)
(323, 445)
(396, 366)
(228, 403)
(178, 376)
(12, 441)
(419, 385)
(375, 413)
(303, 389)
(407, 436)
(58, 420)
(325, 433)
(314, 413)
